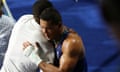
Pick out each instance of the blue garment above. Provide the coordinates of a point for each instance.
(6, 25)
(81, 65)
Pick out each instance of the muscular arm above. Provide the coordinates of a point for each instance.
(72, 49)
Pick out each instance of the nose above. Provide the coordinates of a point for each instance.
(44, 30)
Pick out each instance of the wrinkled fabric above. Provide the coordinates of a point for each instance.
(26, 29)
(6, 25)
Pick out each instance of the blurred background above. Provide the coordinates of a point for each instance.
(84, 17)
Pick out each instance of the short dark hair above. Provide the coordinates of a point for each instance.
(111, 11)
(39, 6)
(51, 15)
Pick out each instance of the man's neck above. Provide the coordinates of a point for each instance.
(59, 36)
(61, 31)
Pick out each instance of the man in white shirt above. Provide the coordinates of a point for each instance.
(27, 28)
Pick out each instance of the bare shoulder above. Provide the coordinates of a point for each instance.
(73, 44)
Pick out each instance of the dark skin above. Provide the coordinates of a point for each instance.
(72, 48)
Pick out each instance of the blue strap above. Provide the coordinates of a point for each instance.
(38, 69)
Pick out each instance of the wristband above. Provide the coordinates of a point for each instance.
(27, 51)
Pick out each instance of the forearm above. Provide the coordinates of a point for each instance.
(48, 67)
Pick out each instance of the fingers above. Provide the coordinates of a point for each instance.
(27, 51)
(39, 48)
(37, 45)
(26, 44)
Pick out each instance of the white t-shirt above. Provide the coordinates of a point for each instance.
(26, 29)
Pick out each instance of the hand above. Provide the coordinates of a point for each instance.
(28, 48)
(32, 52)
(41, 53)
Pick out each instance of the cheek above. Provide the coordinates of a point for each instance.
(51, 34)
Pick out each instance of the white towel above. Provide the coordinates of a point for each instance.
(26, 29)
